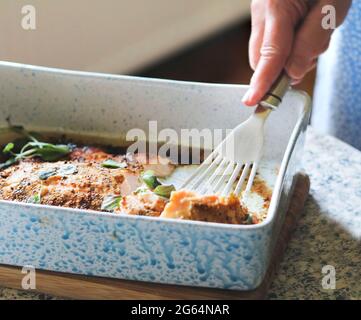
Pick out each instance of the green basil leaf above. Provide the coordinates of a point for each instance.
(68, 170)
(150, 179)
(9, 147)
(19, 144)
(164, 191)
(51, 152)
(112, 164)
(36, 199)
(111, 202)
(43, 175)
(141, 190)
(34, 148)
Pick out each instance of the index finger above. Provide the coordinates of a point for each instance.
(276, 47)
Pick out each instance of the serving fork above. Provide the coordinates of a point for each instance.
(238, 155)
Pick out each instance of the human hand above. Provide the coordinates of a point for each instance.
(287, 34)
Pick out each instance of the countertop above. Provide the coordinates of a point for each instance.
(328, 233)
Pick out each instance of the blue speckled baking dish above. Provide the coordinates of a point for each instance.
(137, 247)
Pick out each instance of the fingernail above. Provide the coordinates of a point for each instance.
(245, 98)
(249, 98)
(294, 82)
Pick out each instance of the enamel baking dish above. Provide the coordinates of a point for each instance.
(137, 247)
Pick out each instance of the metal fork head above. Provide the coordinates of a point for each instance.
(218, 175)
(219, 172)
(237, 157)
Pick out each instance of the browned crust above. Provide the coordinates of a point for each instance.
(221, 210)
(84, 189)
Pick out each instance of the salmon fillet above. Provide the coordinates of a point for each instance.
(144, 204)
(184, 204)
(79, 182)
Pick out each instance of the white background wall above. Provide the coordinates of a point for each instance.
(110, 35)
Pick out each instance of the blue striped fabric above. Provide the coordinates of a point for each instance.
(337, 99)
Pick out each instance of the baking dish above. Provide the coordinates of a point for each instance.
(137, 247)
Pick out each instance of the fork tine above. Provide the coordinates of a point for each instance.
(198, 180)
(213, 176)
(223, 177)
(251, 177)
(200, 169)
(232, 179)
(241, 179)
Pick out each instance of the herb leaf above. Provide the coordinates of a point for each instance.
(46, 151)
(152, 182)
(111, 202)
(150, 179)
(7, 163)
(141, 190)
(34, 148)
(68, 170)
(36, 199)
(65, 170)
(43, 175)
(164, 190)
(112, 164)
(8, 148)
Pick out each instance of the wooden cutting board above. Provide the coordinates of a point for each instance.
(87, 287)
